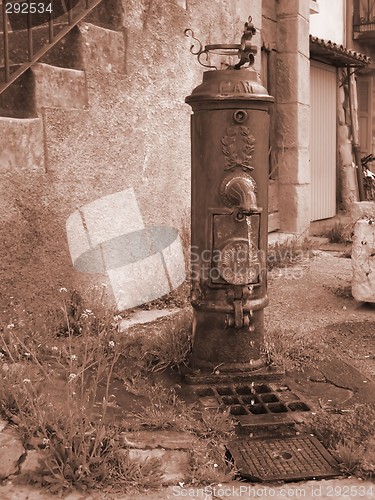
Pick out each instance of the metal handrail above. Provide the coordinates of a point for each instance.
(73, 18)
(363, 16)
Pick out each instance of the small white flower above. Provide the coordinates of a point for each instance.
(73, 357)
(26, 380)
(54, 348)
(215, 465)
(62, 289)
(72, 376)
(2, 355)
(111, 343)
(10, 326)
(27, 354)
(45, 441)
(88, 312)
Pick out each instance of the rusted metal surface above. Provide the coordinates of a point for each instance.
(286, 459)
(229, 134)
(258, 406)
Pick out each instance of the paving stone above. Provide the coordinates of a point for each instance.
(169, 446)
(11, 491)
(144, 317)
(11, 450)
(169, 440)
(175, 462)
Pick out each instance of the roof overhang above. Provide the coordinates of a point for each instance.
(337, 55)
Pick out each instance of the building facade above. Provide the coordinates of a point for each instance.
(103, 112)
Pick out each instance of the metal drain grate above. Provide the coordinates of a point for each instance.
(255, 399)
(282, 459)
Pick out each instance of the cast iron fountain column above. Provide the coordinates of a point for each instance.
(230, 150)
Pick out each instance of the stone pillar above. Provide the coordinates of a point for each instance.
(292, 127)
(348, 186)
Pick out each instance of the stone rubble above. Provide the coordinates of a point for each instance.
(363, 260)
(11, 451)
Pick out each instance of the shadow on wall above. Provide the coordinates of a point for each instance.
(108, 237)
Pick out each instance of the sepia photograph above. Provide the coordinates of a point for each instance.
(187, 249)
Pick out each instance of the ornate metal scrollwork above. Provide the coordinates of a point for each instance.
(244, 51)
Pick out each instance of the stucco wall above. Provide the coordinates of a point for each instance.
(133, 133)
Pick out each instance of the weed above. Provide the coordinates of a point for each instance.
(290, 350)
(344, 292)
(208, 463)
(55, 385)
(288, 253)
(349, 455)
(340, 233)
(178, 298)
(164, 411)
(171, 349)
(349, 435)
(211, 430)
(57, 390)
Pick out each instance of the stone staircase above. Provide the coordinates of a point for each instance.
(58, 80)
(45, 115)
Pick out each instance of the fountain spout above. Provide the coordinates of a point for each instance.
(240, 193)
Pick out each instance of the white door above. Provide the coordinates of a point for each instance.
(323, 140)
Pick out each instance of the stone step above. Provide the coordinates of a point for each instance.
(108, 14)
(41, 86)
(21, 145)
(101, 49)
(16, 101)
(58, 87)
(85, 45)
(18, 46)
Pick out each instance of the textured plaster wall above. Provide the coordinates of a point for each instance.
(133, 133)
